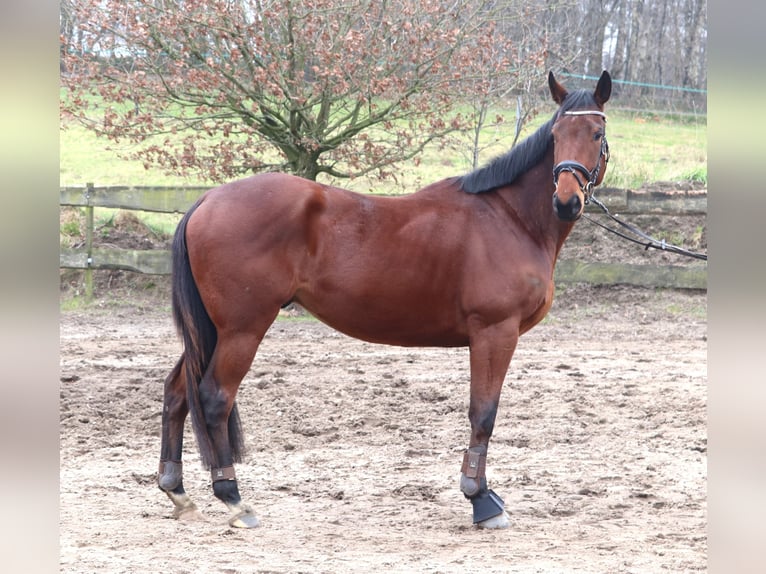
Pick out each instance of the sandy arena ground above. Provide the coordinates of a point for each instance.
(354, 450)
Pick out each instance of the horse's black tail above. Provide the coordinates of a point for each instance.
(199, 337)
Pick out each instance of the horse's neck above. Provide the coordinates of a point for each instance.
(531, 197)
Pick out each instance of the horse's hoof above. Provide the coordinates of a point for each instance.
(496, 522)
(244, 520)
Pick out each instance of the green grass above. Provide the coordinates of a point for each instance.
(644, 149)
(699, 311)
(161, 224)
(74, 303)
(86, 158)
(649, 148)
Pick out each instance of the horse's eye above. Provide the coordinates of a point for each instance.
(597, 136)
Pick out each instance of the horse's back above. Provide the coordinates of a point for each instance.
(289, 203)
(258, 194)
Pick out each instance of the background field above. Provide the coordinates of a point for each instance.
(645, 147)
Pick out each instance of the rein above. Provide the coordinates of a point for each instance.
(649, 241)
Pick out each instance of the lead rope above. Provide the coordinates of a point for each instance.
(650, 242)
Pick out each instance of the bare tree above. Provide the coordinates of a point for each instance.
(228, 87)
(222, 88)
(596, 15)
(521, 57)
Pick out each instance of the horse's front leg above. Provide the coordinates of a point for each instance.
(491, 349)
(170, 476)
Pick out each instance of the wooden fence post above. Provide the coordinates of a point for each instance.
(89, 242)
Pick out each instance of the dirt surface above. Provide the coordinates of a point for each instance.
(354, 449)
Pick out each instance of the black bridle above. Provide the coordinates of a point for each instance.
(590, 182)
(574, 167)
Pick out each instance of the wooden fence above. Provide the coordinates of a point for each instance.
(179, 199)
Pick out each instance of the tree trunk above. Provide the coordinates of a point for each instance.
(693, 52)
(660, 31)
(621, 45)
(305, 164)
(593, 26)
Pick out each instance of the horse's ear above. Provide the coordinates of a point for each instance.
(558, 91)
(603, 88)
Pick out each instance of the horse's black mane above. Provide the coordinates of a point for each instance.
(504, 169)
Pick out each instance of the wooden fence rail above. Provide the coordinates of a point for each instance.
(179, 199)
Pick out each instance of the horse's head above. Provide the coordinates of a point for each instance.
(580, 151)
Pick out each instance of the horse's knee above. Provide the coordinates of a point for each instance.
(215, 404)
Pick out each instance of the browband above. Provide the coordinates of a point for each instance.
(586, 113)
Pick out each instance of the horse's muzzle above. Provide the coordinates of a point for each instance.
(567, 211)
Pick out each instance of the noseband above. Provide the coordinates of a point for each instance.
(575, 166)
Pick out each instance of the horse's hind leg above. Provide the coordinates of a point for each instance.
(170, 476)
(233, 356)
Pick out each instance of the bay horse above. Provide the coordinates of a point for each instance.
(466, 261)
